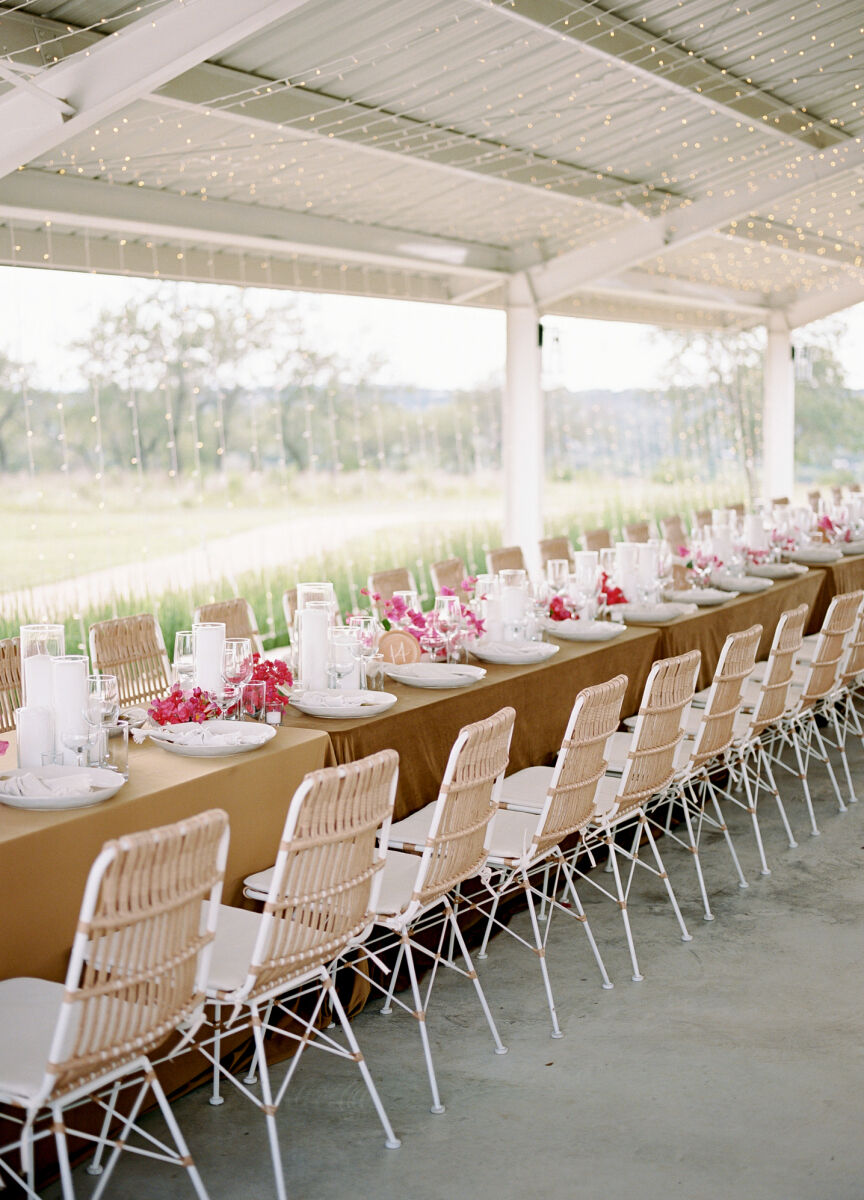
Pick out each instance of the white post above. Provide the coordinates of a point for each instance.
(778, 412)
(522, 450)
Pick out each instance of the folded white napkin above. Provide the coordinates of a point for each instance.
(35, 785)
(773, 570)
(433, 671)
(584, 631)
(516, 649)
(336, 699)
(202, 736)
(694, 595)
(652, 612)
(740, 583)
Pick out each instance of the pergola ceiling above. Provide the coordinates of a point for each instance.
(674, 162)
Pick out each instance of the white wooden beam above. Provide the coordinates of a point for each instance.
(826, 303)
(39, 196)
(643, 239)
(682, 292)
(641, 52)
(128, 64)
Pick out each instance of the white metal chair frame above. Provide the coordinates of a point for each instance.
(108, 1022)
(428, 896)
(647, 773)
(257, 1003)
(567, 808)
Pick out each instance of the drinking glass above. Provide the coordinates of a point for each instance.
(37, 645)
(411, 600)
(341, 640)
(114, 749)
(102, 705)
(557, 570)
(433, 643)
(236, 669)
(367, 631)
(184, 658)
(448, 614)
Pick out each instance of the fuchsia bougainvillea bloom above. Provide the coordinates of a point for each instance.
(178, 707)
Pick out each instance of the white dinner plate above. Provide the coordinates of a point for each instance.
(850, 548)
(255, 732)
(701, 597)
(814, 556)
(97, 784)
(513, 654)
(741, 583)
(650, 614)
(434, 675)
(339, 706)
(775, 570)
(584, 631)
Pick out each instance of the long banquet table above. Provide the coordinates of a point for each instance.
(847, 575)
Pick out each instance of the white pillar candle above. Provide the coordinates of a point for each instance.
(512, 604)
(70, 699)
(312, 625)
(37, 681)
(492, 620)
(208, 642)
(34, 734)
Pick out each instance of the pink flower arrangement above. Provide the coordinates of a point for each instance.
(700, 561)
(178, 707)
(558, 610)
(612, 595)
(415, 622)
(274, 673)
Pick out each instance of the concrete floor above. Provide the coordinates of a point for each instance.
(734, 1069)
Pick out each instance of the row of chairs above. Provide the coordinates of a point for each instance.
(344, 869)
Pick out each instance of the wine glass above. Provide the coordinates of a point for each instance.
(340, 653)
(184, 658)
(448, 615)
(102, 704)
(236, 670)
(366, 642)
(557, 571)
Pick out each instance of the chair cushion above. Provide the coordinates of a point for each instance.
(511, 834)
(397, 882)
(236, 931)
(257, 886)
(527, 787)
(29, 1009)
(412, 830)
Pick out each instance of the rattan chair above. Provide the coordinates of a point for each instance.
(505, 558)
(597, 539)
(139, 960)
(623, 801)
(814, 499)
(779, 501)
(526, 844)
(432, 852)
(638, 531)
(10, 682)
(701, 518)
(385, 583)
(133, 649)
(819, 680)
(449, 574)
(673, 531)
(237, 616)
(837, 494)
(555, 547)
(318, 904)
(851, 690)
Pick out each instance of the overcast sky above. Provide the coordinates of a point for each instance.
(428, 345)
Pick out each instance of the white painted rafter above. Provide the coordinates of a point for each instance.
(141, 212)
(101, 79)
(826, 303)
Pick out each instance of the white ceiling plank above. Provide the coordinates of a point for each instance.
(826, 303)
(643, 286)
(641, 240)
(101, 79)
(134, 211)
(637, 49)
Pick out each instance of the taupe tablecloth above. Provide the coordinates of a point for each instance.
(708, 629)
(847, 575)
(423, 725)
(45, 856)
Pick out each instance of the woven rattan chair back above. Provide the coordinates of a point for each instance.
(853, 665)
(555, 547)
(701, 518)
(238, 618)
(814, 499)
(10, 682)
(837, 494)
(133, 649)
(455, 847)
(597, 539)
(505, 558)
(715, 731)
(823, 674)
(739, 509)
(140, 957)
(673, 531)
(385, 583)
(637, 531)
(659, 729)
(779, 501)
(448, 574)
(774, 692)
(581, 764)
(326, 877)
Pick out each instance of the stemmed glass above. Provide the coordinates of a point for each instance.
(184, 658)
(341, 640)
(236, 670)
(448, 611)
(366, 643)
(101, 708)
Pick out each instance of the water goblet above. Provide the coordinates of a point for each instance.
(341, 640)
(183, 665)
(448, 614)
(367, 631)
(236, 670)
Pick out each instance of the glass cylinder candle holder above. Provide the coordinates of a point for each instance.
(38, 644)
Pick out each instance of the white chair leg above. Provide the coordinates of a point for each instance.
(394, 975)
(840, 734)
(482, 952)
(707, 915)
(62, 1152)
(95, 1166)
(251, 1075)
(216, 1097)
(541, 954)
(269, 1112)
(580, 912)
(500, 1048)
(814, 829)
(724, 828)
(625, 916)
(179, 1140)
(823, 754)
(420, 1015)
(123, 1136)
(775, 791)
(392, 1142)
(685, 936)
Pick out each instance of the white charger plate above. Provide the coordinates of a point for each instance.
(515, 654)
(584, 631)
(162, 738)
(775, 570)
(649, 614)
(434, 675)
(814, 556)
(108, 783)
(848, 549)
(701, 597)
(339, 706)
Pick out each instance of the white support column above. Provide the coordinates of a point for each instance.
(522, 449)
(778, 412)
